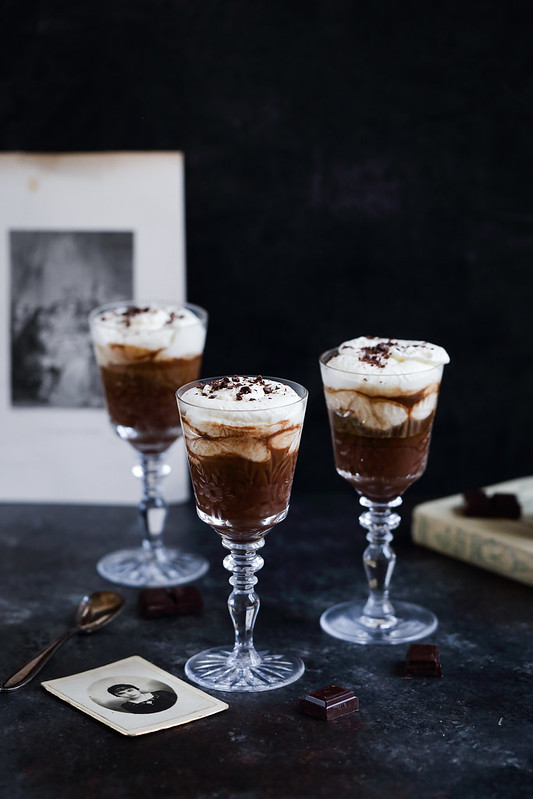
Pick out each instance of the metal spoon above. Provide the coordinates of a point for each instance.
(93, 612)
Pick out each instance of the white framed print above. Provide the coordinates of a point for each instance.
(78, 230)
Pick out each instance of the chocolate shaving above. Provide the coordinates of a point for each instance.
(131, 312)
(377, 354)
(242, 384)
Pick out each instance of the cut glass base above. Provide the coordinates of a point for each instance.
(141, 568)
(218, 670)
(409, 623)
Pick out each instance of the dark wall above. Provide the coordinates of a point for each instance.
(351, 168)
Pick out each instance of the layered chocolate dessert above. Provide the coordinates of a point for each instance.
(242, 436)
(381, 396)
(145, 353)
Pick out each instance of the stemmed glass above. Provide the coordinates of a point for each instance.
(242, 465)
(381, 437)
(145, 352)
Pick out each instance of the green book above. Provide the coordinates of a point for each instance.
(504, 546)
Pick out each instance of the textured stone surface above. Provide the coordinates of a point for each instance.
(466, 735)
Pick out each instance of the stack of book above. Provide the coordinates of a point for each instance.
(504, 546)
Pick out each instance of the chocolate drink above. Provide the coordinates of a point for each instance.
(239, 491)
(144, 355)
(379, 467)
(242, 444)
(381, 396)
(140, 397)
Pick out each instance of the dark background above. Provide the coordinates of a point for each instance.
(351, 168)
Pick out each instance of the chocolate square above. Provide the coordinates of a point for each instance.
(497, 506)
(477, 503)
(505, 506)
(329, 703)
(177, 600)
(423, 660)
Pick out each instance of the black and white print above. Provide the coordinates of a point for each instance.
(57, 278)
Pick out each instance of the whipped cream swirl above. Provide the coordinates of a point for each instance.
(384, 382)
(241, 415)
(175, 330)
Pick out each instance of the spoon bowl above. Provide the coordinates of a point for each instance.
(97, 609)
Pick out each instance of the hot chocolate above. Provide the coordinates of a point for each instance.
(242, 436)
(145, 353)
(381, 396)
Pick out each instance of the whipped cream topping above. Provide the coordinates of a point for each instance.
(239, 393)
(387, 365)
(384, 382)
(243, 416)
(175, 331)
(372, 355)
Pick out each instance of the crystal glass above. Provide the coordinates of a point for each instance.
(140, 370)
(242, 467)
(380, 442)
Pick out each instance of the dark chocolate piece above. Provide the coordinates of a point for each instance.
(178, 600)
(477, 503)
(329, 703)
(505, 506)
(423, 660)
(497, 506)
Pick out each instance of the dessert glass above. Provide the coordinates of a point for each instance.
(140, 376)
(380, 439)
(242, 467)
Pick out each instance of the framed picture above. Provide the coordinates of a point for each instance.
(77, 231)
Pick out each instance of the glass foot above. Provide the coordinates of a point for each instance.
(218, 670)
(140, 568)
(409, 623)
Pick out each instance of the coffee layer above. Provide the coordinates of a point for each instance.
(380, 467)
(140, 396)
(239, 495)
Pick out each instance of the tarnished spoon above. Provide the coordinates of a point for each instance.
(93, 612)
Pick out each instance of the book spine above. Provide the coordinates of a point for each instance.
(486, 551)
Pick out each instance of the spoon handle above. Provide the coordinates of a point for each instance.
(33, 666)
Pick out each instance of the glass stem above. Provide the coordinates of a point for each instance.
(152, 507)
(379, 560)
(243, 602)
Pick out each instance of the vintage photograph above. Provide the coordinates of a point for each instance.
(140, 696)
(57, 278)
(134, 696)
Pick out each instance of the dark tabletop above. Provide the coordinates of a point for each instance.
(468, 734)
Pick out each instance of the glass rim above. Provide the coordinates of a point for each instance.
(246, 409)
(328, 354)
(200, 312)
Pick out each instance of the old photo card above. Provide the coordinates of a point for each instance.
(134, 697)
